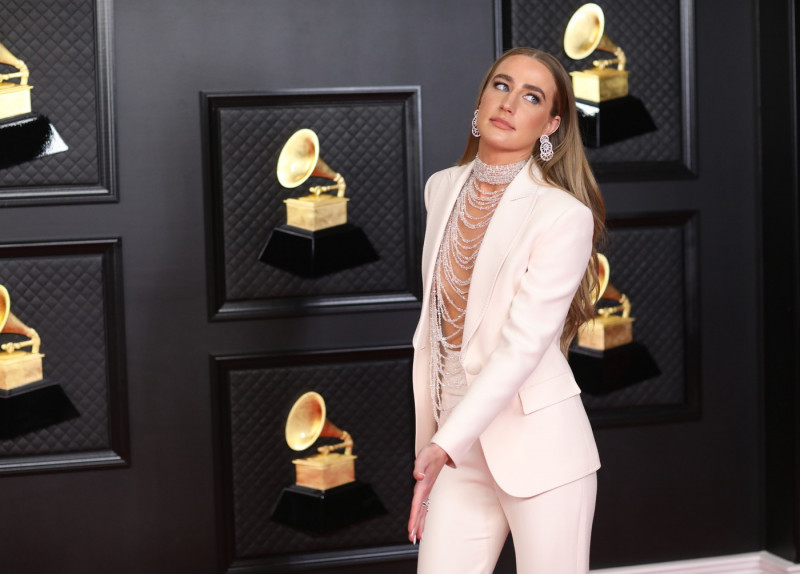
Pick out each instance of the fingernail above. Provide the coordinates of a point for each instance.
(415, 540)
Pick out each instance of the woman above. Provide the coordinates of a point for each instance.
(502, 439)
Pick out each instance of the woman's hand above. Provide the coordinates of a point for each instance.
(429, 463)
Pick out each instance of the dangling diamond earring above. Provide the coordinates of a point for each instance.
(475, 130)
(545, 148)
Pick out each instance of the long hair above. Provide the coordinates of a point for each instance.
(568, 170)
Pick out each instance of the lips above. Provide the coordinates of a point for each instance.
(501, 123)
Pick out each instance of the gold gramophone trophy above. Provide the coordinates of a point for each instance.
(18, 366)
(613, 326)
(327, 469)
(298, 161)
(317, 238)
(24, 135)
(15, 98)
(607, 112)
(326, 494)
(27, 401)
(606, 358)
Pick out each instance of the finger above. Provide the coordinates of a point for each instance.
(416, 509)
(421, 492)
(421, 523)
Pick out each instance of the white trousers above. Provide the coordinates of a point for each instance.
(470, 517)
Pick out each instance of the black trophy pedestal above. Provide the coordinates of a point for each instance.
(612, 121)
(601, 372)
(33, 407)
(320, 511)
(27, 137)
(315, 253)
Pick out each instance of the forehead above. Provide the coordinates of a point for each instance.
(526, 70)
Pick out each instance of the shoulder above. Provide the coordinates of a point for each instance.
(441, 181)
(556, 202)
(446, 176)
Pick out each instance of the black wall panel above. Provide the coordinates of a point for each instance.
(667, 490)
(780, 279)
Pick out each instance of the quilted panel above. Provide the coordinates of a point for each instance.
(647, 264)
(56, 39)
(364, 140)
(649, 33)
(62, 298)
(370, 398)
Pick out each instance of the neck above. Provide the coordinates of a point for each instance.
(501, 157)
(495, 175)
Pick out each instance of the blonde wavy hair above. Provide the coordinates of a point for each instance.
(568, 170)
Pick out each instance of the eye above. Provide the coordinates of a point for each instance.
(502, 86)
(533, 98)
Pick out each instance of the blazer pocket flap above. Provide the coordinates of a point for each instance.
(548, 392)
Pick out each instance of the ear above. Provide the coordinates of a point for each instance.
(552, 125)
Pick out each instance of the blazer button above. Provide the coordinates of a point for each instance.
(473, 367)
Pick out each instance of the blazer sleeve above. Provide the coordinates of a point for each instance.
(557, 262)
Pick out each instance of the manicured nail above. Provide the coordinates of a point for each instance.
(415, 540)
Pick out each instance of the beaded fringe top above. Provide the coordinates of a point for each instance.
(452, 274)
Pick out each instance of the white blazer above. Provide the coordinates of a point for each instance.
(522, 403)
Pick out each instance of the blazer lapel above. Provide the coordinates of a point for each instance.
(440, 206)
(507, 223)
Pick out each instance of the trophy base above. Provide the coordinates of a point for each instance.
(15, 99)
(28, 137)
(320, 511)
(33, 407)
(316, 253)
(316, 212)
(601, 372)
(19, 369)
(605, 333)
(599, 84)
(603, 123)
(325, 471)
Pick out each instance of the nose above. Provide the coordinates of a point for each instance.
(506, 104)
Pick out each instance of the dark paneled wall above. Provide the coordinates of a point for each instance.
(666, 491)
(780, 237)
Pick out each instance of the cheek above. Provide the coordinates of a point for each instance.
(535, 125)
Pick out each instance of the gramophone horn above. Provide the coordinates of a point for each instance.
(299, 160)
(606, 290)
(584, 35)
(603, 274)
(307, 422)
(5, 307)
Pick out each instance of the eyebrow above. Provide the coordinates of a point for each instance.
(526, 86)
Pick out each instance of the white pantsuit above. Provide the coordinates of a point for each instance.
(520, 425)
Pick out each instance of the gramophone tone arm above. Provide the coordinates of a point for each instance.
(23, 73)
(624, 306)
(33, 342)
(340, 186)
(603, 64)
(620, 60)
(346, 444)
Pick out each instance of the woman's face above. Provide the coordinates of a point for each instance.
(515, 110)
